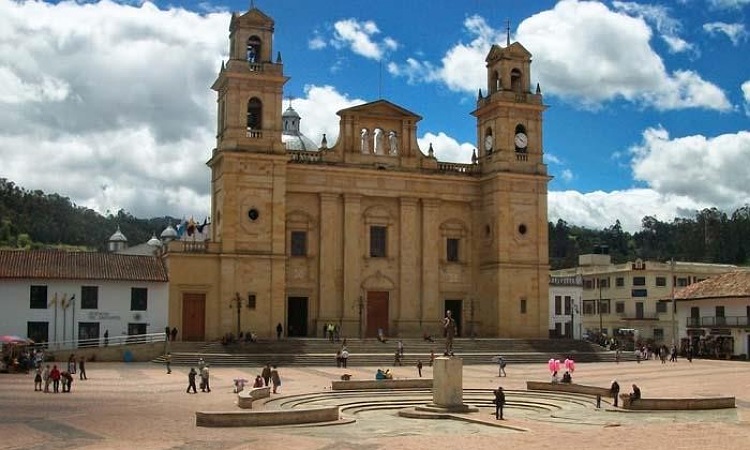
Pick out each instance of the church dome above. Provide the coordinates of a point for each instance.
(154, 241)
(291, 136)
(169, 233)
(118, 236)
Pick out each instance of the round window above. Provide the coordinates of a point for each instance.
(522, 229)
(253, 214)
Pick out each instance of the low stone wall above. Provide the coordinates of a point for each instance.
(568, 387)
(406, 383)
(677, 404)
(246, 397)
(266, 417)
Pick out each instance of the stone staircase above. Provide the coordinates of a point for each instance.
(370, 352)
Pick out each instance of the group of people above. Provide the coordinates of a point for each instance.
(332, 331)
(203, 371)
(614, 392)
(57, 379)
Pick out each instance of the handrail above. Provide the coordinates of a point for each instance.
(112, 341)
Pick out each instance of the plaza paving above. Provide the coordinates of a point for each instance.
(139, 406)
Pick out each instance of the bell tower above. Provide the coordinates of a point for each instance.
(248, 165)
(514, 258)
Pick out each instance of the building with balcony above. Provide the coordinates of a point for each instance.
(635, 296)
(565, 294)
(713, 316)
(370, 231)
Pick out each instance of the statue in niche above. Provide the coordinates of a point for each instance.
(378, 145)
(363, 138)
(392, 143)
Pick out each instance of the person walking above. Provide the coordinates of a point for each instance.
(275, 379)
(344, 357)
(205, 384)
(168, 362)
(38, 379)
(400, 347)
(279, 330)
(106, 338)
(501, 367)
(55, 375)
(191, 381)
(266, 374)
(419, 368)
(499, 403)
(46, 378)
(173, 334)
(82, 369)
(614, 391)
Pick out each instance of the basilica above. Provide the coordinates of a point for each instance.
(370, 232)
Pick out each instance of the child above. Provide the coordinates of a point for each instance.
(38, 380)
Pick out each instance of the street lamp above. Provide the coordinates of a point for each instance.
(236, 302)
(674, 307)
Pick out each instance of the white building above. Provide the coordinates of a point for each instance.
(634, 296)
(56, 296)
(714, 315)
(565, 294)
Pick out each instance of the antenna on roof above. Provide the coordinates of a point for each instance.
(380, 79)
(507, 30)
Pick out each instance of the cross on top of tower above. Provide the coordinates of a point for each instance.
(507, 30)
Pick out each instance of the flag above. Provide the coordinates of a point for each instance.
(191, 227)
(53, 301)
(64, 303)
(201, 227)
(181, 228)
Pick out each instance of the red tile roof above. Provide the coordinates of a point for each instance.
(52, 264)
(730, 284)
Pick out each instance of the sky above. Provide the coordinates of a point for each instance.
(109, 103)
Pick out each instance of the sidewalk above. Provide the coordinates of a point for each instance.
(137, 405)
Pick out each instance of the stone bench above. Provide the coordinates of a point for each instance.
(568, 387)
(266, 417)
(677, 404)
(246, 397)
(405, 383)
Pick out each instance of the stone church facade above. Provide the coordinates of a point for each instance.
(371, 232)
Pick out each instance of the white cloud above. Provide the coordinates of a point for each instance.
(736, 32)
(583, 52)
(318, 112)
(667, 26)
(746, 94)
(566, 175)
(317, 43)
(110, 102)
(446, 148)
(358, 37)
(729, 4)
(709, 170)
(600, 209)
(586, 52)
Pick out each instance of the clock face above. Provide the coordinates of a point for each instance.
(488, 142)
(521, 140)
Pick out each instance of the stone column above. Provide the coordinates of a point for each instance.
(329, 295)
(409, 306)
(431, 304)
(352, 259)
(447, 385)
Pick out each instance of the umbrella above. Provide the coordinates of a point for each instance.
(11, 339)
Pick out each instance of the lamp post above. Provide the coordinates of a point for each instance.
(236, 302)
(471, 311)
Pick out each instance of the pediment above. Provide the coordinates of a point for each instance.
(254, 17)
(380, 108)
(515, 51)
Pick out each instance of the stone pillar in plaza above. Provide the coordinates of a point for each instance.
(447, 385)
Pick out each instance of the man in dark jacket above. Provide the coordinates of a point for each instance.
(499, 403)
(614, 391)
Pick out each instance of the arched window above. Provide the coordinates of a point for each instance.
(253, 49)
(515, 81)
(497, 84)
(254, 114)
(520, 129)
